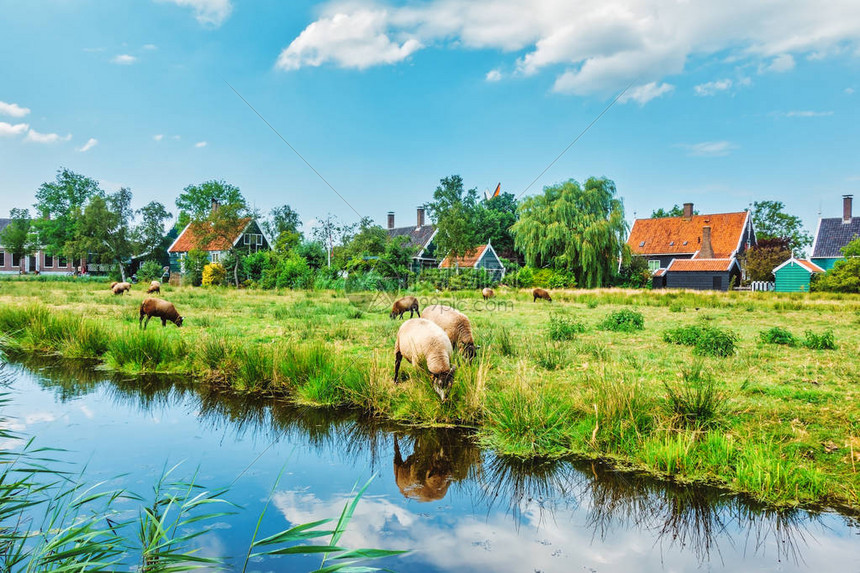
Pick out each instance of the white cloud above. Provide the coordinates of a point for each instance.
(91, 142)
(597, 46)
(780, 64)
(808, 113)
(123, 60)
(645, 93)
(710, 88)
(211, 13)
(13, 109)
(8, 129)
(36, 137)
(709, 148)
(849, 91)
(176, 137)
(200, 144)
(158, 137)
(150, 47)
(494, 76)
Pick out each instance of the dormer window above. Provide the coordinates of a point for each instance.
(685, 242)
(642, 244)
(672, 244)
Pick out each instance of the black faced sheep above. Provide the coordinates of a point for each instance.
(540, 293)
(488, 293)
(154, 287)
(160, 309)
(407, 303)
(425, 344)
(456, 326)
(121, 288)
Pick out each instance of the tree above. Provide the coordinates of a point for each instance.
(368, 241)
(195, 201)
(18, 237)
(330, 231)
(568, 227)
(59, 205)
(772, 222)
(675, 211)
(282, 219)
(149, 236)
(760, 260)
(455, 213)
(845, 275)
(494, 220)
(104, 229)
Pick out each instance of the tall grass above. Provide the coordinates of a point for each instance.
(695, 402)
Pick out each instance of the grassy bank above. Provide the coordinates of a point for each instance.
(683, 385)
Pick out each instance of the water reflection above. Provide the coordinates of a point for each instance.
(560, 500)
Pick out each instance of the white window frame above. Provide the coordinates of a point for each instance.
(215, 257)
(653, 265)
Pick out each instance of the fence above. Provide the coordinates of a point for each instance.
(762, 286)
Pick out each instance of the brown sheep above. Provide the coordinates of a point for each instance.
(456, 326)
(426, 345)
(121, 288)
(400, 307)
(540, 293)
(488, 293)
(154, 287)
(113, 284)
(160, 309)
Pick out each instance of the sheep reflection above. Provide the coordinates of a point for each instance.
(438, 459)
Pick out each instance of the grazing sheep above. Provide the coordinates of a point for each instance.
(160, 309)
(540, 293)
(113, 284)
(488, 293)
(456, 326)
(425, 344)
(400, 307)
(154, 287)
(120, 288)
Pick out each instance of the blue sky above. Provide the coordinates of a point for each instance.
(729, 102)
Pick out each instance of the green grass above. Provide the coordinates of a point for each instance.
(735, 411)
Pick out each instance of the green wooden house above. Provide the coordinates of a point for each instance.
(794, 275)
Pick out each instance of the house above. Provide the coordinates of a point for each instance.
(794, 275)
(38, 261)
(693, 251)
(420, 236)
(481, 257)
(833, 234)
(248, 235)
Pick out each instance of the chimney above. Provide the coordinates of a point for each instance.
(688, 211)
(391, 219)
(421, 216)
(213, 205)
(707, 250)
(846, 208)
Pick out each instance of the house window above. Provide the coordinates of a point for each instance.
(16, 260)
(61, 261)
(642, 244)
(653, 265)
(253, 239)
(32, 263)
(215, 257)
(2, 258)
(49, 261)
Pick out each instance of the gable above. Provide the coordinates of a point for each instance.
(678, 235)
(832, 235)
(418, 236)
(469, 260)
(189, 239)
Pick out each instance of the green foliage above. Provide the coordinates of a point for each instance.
(777, 335)
(455, 213)
(578, 229)
(675, 211)
(550, 278)
(457, 279)
(624, 320)
(845, 275)
(150, 271)
(149, 235)
(759, 261)
(494, 219)
(772, 222)
(696, 402)
(634, 271)
(824, 341)
(18, 237)
(563, 327)
(523, 278)
(290, 271)
(550, 355)
(500, 339)
(194, 262)
(213, 275)
(195, 201)
(706, 340)
(144, 350)
(282, 220)
(59, 205)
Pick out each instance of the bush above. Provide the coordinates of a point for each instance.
(564, 328)
(150, 271)
(705, 340)
(213, 275)
(695, 402)
(193, 265)
(843, 277)
(524, 278)
(823, 341)
(624, 320)
(777, 335)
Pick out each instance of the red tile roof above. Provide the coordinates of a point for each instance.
(468, 261)
(678, 235)
(189, 239)
(693, 265)
(810, 266)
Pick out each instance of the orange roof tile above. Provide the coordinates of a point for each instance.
(467, 261)
(189, 239)
(677, 235)
(692, 265)
(810, 266)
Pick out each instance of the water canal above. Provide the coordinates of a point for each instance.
(436, 493)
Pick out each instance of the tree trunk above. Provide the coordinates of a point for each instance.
(121, 270)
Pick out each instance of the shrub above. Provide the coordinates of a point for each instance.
(695, 402)
(706, 340)
(149, 271)
(524, 278)
(213, 275)
(624, 320)
(823, 341)
(193, 266)
(564, 328)
(777, 335)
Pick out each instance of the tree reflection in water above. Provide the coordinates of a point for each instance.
(697, 519)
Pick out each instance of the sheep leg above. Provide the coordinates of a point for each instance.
(140, 321)
(418, 311)
(397, 358)
(145, 324)
(163, 322)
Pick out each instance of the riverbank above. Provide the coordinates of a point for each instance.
(777, 422)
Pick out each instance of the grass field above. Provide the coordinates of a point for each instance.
(696, 395)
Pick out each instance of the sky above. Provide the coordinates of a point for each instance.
(721, 103)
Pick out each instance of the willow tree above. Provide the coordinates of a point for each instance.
(573, 228)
